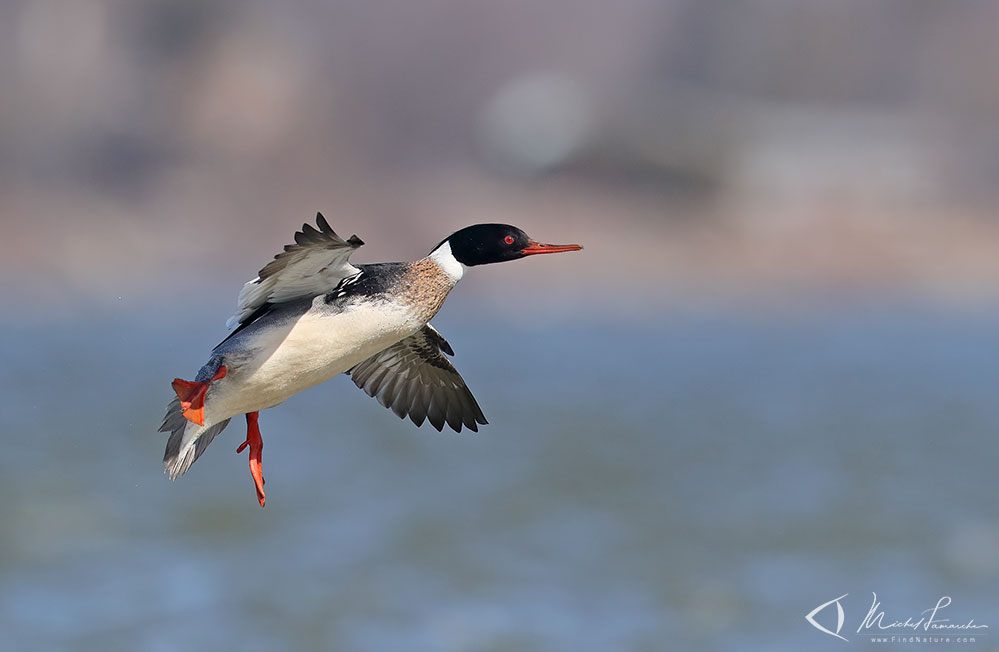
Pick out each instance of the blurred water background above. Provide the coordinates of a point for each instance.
(769, 379)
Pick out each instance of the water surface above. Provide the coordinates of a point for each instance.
(689, 482)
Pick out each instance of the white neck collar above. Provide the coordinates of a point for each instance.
(446, 261)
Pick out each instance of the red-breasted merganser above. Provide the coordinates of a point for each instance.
(310, 315)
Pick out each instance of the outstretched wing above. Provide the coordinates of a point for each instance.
(413, 377)
(310, 267)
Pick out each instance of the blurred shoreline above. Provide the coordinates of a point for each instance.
(695, 149)
(639, 249)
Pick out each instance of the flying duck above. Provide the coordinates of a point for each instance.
(310, 315)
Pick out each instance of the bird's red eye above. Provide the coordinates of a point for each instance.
(508, 239)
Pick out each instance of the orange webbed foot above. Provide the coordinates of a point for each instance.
(192, 396)
(256, 444)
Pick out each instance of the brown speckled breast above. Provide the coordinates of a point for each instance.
(424, 287)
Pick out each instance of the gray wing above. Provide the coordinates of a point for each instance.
(413, 377)
(310, 267)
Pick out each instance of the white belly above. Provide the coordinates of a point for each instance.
(296, 355)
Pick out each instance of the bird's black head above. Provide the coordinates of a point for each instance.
(494, 243)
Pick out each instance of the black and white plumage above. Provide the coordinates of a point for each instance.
(310, 315)
(314, 264)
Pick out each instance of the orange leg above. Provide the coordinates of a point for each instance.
(192, 396)
(256, 444)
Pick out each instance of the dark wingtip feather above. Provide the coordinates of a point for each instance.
(436, 413)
